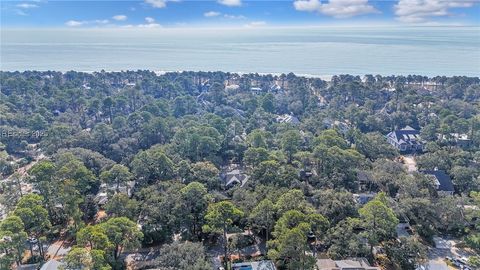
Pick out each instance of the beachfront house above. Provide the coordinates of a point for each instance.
(406, 140)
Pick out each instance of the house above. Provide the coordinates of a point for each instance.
(460, 140)
(260, 265)
(364, 198)
(364, 181)
(107, 189)
(406, 140)
(342, 127)
(51, 265)
(34, 266)
(288, 118)
(349, 264)
(232, 87)
(234, 175)
(275, 88)
(256, 90)
(442, 181)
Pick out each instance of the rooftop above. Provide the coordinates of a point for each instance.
(442, 180)
(349, 264)
(51, 265)
(260, 265)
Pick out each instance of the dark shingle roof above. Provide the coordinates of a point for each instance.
(443, 179)
(406, 135)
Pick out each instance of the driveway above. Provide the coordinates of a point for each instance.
(410, 163)
(444, 247)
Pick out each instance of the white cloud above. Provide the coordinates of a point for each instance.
(27, 5)
(336, 8)
(307, 5)
(256, 24)
(73, 23)
(119, 18)
(157, 3)
(419, 11)
(229, 16)
(230, 3)
(102, 21)
(149, 19)
(149, 25)
(211, 14)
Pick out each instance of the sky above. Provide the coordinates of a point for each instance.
(235, 13)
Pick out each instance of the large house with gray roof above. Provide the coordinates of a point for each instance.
(406, 140)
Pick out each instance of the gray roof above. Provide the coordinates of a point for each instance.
(444, 180)
(260, 265)
(288, 118)
(51, 265)
(235, 176)
(349, 264)
(407, 135)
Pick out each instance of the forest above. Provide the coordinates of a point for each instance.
(193, 167)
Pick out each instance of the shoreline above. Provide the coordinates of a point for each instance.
(325, 77)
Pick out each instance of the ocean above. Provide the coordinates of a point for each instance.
(311, 51)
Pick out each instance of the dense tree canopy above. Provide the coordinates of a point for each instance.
(177, 162)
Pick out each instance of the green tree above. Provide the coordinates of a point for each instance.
(206, 173)
(42, 175)
(120, 205)
(344, 241)
(268, 102)
(123, 234)
(291, 141)
(161, 211)
(291, 251)
(69, 167)
(182, 256)
(78, 258)
(220, 216)
(94, 237)
(263, 216)
(217, 93)
(293, 200)
(465, 178)
(117, 175)
(374, 146)
(34, 217)
(254, 156)
(12, 239)
(195, 201)
(330, 138)
(259, 138)
(406, 253)
(152, 165)
(378, 220)
(267, 172)
(335, 205)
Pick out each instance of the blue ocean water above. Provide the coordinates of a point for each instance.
(317, 51)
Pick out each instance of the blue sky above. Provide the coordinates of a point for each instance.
(241, 13)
